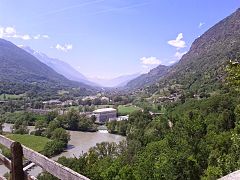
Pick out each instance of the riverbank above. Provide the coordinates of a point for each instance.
(80, 142)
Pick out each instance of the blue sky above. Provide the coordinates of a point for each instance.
(108, 38)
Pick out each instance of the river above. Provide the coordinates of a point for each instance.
(79, 143)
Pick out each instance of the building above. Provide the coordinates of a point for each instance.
(52, 102)
(39, 111)
(103, 115)
(123, 118)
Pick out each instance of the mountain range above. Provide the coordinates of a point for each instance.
(69, 72)
(23, 71)
(59, 66)
(202, 68)
(149, 78)
(120, 81)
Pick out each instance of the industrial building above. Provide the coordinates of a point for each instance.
(105, 114)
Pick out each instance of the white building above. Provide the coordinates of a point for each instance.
(103, 115)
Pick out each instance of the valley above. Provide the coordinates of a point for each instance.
(176, 121)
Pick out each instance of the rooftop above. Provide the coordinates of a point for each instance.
(104, 110)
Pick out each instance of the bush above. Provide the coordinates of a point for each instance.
(53, 148)
(61, 134)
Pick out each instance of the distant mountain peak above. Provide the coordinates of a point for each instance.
(59, 66)
(119, 81)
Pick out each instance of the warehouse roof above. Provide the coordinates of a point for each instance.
(104, 110)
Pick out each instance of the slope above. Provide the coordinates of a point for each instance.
(59, 66)
(21, 69)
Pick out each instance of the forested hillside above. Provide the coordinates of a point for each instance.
(202, 69)
(21, 72)
(147, 79)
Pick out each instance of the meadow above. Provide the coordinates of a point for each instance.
(35, 143)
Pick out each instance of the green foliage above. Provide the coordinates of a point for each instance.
(74, 121)
(46, 176)
(40, 125)
(20, 116)
(5, 151)
(4, 97)
(233, 70)
(197, 139)
(117, 127)
(20, 127)
(60, 134)
(51, 127)
(53, 148)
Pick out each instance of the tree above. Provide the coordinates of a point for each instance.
(51, 127)
(61, 134)
(39, 126)
(233, 70)
(20, 127)
(53, 148)
(72, 118)
(51, 115)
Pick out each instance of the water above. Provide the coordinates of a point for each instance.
(80, 143)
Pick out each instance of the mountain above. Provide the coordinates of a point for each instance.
(59, 66)
(115, 82)
(20, 71)
(149, 78)
(202, 69)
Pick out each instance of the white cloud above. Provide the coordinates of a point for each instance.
(37, 36)
(7, 32)
(65, 47)
(25, 37)
(201, 24)
(10, 32)
(150, 60)
(148, 63)
(45, 36)
(178, 42)
(179, 55)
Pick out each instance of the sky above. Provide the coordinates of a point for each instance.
(110, 38)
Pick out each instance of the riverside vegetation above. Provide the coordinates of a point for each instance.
(202, 142)
(51, 126)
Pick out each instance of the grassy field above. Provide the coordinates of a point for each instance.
(11, 96)
(127, 109)
(36, 143)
